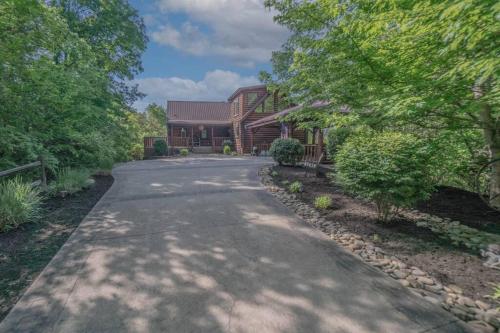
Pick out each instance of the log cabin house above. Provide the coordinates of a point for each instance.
(251, 119)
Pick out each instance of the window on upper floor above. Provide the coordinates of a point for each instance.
(236, 106)
(266, 106)
(269, 104)
(251, 97)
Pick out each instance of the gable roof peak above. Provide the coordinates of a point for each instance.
(243, 89)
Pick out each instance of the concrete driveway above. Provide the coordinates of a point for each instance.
(197, 245)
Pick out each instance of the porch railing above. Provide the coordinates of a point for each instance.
(178, 141)
(263, 147)
(218, 141)
(311, 152)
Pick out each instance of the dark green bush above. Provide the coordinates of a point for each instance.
(286, 151)
(19, 203)
(160, 147)
(390, 168)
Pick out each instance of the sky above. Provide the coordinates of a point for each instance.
(204, 49)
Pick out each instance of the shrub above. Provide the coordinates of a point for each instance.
(106, 164)
(137, 151)
(496, 295)
(274, 173)
(160, 147)
(184, 152)
(227, 150)
(295, 187)
(323, 202)
(286, 151)
(71, 180)
(19, 203)
(390, 168)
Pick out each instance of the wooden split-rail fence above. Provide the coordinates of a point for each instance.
(37, 164)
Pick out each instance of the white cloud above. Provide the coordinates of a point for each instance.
(217, 85)
(241, 30)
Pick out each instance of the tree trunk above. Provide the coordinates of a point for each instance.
(492, 137)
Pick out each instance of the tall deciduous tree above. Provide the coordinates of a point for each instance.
(156, 120)
(115, 32)
(58, 89)
(425, 64)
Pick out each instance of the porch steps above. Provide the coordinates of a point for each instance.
(202, 150)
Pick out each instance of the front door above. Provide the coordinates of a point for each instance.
(201, 136)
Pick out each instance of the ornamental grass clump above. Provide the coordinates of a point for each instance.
(392, 169)
(70, 181)
(227, 150)
(286, 151)
(184, 152)
(295, 187)
(323, 202)
(19, 203)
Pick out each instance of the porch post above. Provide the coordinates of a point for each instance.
(171, 135)
(192, 138)
(212, 139)
(319, 141)
(251, 141)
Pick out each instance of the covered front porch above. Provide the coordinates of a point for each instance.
(312, 140)
(190, 136)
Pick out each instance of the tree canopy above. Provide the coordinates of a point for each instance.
(62, 94)
(430, 67)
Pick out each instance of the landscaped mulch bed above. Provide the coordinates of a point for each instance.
(413, 245)
(24, 252)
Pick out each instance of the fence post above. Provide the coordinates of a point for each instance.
(44, 175)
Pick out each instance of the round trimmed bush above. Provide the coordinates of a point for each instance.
(184, 152)
(286, 151)
(392, 169)
(160, 147)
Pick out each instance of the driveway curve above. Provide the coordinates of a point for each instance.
(197, 245)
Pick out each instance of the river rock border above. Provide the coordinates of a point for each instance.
(480, 316)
